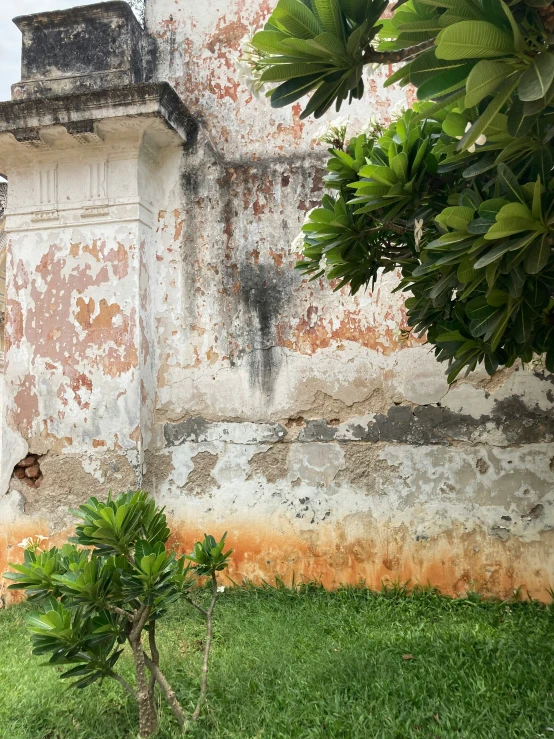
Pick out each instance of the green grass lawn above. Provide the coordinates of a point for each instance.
(315, 664)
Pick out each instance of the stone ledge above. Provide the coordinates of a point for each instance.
(79, 112)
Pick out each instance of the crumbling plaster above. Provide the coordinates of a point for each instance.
(267, 406)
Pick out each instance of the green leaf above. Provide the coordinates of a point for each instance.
(398, 75)
(485, 119)
(399, 165)
(270, 41)
(330, 15)
(500, 329)
(297, 19)
(484, 79)
(510, 226)
(498, 298)
(489, 208)
(282, 72)
(473, 40)
(486, 321)
(454, 124)
(519, 124)
(494, 254)
(456, 217)
(514, 210)
(536, 211)
(466, 270)
(360, 10)
(300, 48)
(519, 41)
(523, 324)
(531, 107)
(509, 183)
(444, 81)
(535, 82)
(538, 256)
(444, 285)
(426, 64)
(327, 42)
(450, 336)
(292, 90)
(444, 102)
(432, 24)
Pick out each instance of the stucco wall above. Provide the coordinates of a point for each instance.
(271, 407)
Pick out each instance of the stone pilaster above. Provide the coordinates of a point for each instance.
(80, 362)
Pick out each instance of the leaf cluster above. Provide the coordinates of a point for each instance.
(481, 277)
(317, 45)
(458, 192)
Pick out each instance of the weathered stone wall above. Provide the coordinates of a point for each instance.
(291, 415)
(271, 407)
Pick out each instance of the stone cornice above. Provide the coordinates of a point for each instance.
(79, 113)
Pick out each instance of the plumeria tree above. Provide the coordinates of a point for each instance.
(109, 588)
(457, 193)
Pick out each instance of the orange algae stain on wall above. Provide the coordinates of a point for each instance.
(455, 562)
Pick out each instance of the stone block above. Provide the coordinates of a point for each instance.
(80, 49)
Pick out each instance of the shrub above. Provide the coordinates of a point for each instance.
(111, 591)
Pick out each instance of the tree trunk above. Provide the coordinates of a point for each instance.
(168, 692)
(148, 717)
(205, 665)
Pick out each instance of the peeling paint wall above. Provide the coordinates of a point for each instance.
(186, 355)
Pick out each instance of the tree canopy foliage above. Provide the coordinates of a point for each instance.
(457, 192)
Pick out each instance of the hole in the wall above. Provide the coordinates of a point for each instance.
(297, 421)
(28, 470)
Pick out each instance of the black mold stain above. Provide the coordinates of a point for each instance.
(263, 297)
(318, 430)
(429, 424)
(192, 429)
(403, 425)
(256, 290)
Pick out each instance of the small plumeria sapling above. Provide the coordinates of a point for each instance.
(109, 587)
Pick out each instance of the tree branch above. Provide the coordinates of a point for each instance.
(203, 611)
(125, 684)
(209, 635)
(386, 227)
(119, 611)
(139, 621)
(167, 690)
(372, 56)
(154, 652)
